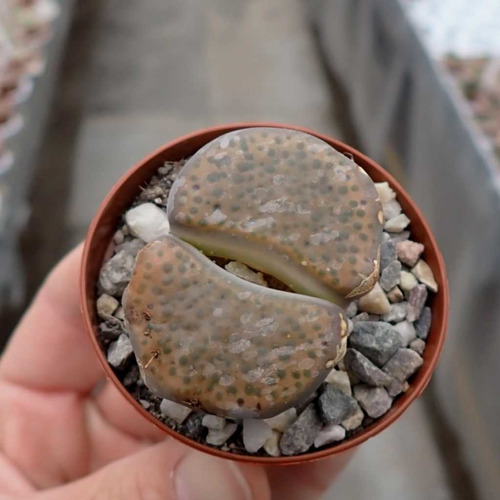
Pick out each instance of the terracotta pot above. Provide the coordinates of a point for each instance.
(98, 246)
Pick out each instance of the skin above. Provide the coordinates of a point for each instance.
(67, 433)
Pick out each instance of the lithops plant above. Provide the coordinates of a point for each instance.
(205, 337)
(285, 203)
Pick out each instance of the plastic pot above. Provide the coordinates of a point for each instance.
(99, 244)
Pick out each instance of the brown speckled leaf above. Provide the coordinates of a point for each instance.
(205, 337)
(285, 203)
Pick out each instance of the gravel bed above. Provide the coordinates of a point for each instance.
(388, 332)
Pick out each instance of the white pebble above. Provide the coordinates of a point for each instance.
(213, 422)
(329, 434)
(106, 305)
(408, 281)
(397, 224)
(354, 421)
(218, 438)
(120, 351)
(418, 345)
(385, 192)
(391, 209)
(406, 331)
(174, 410)
(424, 274)
(272, 445)
(255, 434)
(339, 379)
(148, 222)
(120, 314)
(375, 302)
(283, 420)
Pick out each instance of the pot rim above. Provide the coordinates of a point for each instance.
(437, 333)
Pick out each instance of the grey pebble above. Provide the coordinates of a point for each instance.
(387, 253)
(377, 340)
(416, 302)
(364, 316)
(374, 400)
(404, 235)
(352, 309)
(397, 313)
(116, 273)
(403, 364)
(192, 427)
(390, 276)
(365, 370)
(299, 437)
(423, 323)
(131, 247)
(111, 329)
(334, 405)
(418, 345)
(119, 352)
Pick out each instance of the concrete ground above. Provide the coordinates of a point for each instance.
(135, 78)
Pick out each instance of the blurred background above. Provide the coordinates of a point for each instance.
(87, 88)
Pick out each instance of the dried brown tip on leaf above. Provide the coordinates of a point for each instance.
(285, 203)
(207, 338)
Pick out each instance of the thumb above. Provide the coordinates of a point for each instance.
(168, 471)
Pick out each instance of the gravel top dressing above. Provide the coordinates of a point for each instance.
(387, 330)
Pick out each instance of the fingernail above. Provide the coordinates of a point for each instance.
(200, 476)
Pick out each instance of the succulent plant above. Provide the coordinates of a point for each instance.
(205, 337)
(285, 203)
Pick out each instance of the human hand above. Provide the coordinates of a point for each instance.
(67, 433)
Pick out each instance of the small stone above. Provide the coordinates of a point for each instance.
(423, 323)
(145, 404)
(397, 224)
(116, 273)
(416, 302)
(272, 446)
(118, 237)
(403, 364)
(174, 410)
(283, 420)
(365, 370)
(329, 434)
(120, 314)
(418, 345)
(391, 209)
(131, 247)
(299, 437)
(340, 380)
(408, 281)
(402, 236)
(353, 422)
(397, 313)
(395, 295)
(334, 405)
(218, 438)
(111, 329)
(390, 276)
(119, 352)
(374, 400)
(409, 252)
(255, 434)
(385, 192)
(350, 326)
(423, 273)
(148, 222)
(132, 376)
(245, 273)
(406, 331)
(106, 305)
(378, 341)
(375, 301)
(387, 253)
(192, 426)
(213, 422)
(361, 317)
(352, 309)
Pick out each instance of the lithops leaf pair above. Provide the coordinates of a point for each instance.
(205, 337)
(285, 203)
